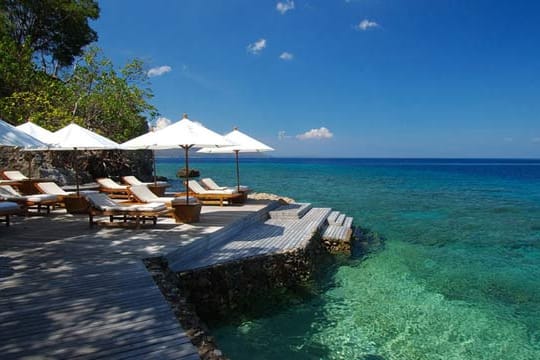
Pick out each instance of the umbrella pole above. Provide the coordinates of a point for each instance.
(186, 148)
(77, 172)
(154, 161)
(237, 171)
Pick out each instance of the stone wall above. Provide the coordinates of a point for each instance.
(230, 288)
(59, 165)
(339, 246)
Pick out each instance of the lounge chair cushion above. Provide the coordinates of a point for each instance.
(104, 203)
(198, 189)
(133, 181)
(8, 207)
(8, 190)
(9, 193)
(148, 207)
(51, 188)
(110, 184)
(212, 185)
(38, 198)
(14, 175)
(142, 193)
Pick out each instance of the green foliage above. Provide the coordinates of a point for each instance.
(38, 38)
(46, 105)
(93, 94)
(17, 72)
(55, 30)
(108, 101)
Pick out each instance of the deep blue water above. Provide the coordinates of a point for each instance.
(459, 277)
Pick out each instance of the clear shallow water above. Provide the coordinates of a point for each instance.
(459, 277)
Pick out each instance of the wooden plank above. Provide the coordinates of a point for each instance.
(340, 219)
(71, 291)
(348, 222)
(332, 217)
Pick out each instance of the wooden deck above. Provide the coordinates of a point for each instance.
(68, 291)
(259, 238)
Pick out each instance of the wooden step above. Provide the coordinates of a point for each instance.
(334, 232)
(290, 211)
(348, 222)
(332, 217)
(340, 219)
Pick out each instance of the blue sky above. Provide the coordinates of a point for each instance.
(357, 78)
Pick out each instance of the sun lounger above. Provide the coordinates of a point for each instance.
(102, 205)
(8, 208)
(51, 188)
(157, 187)
(13, 175)
(133, 181)
(113, 189)
(205, 195)
(142, 194)
(8, 193)
(25, 185)
(210, 184)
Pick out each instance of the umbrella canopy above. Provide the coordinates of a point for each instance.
(74, 137)
(184, 134)
(13, 137)
(146, 141)
(38, 132)
(242, 143)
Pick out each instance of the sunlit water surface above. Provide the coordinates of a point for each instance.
(459, 277)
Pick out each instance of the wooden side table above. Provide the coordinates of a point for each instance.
(186, 213)
(76, 204)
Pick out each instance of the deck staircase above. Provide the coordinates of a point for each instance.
(281, 228)
(339, 227)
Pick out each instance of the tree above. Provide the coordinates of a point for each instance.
(55, 30)
(17, 72)
(111, 102)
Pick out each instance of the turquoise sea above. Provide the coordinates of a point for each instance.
(458, 278)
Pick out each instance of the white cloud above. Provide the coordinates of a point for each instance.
(318, 134)
(536, 140)
(286, 56)
(158, 71)
(508, 139)
(285, 6)
(257, 46)
(162, 122)
(366, 24)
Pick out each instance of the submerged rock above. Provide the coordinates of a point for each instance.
(366, 242)
(268, 196)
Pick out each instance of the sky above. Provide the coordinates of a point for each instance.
(342, 78)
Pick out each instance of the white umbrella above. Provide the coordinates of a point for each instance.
(13, 137)
(73, 137)
(37, 131)
(184, 134)
(242, 143)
